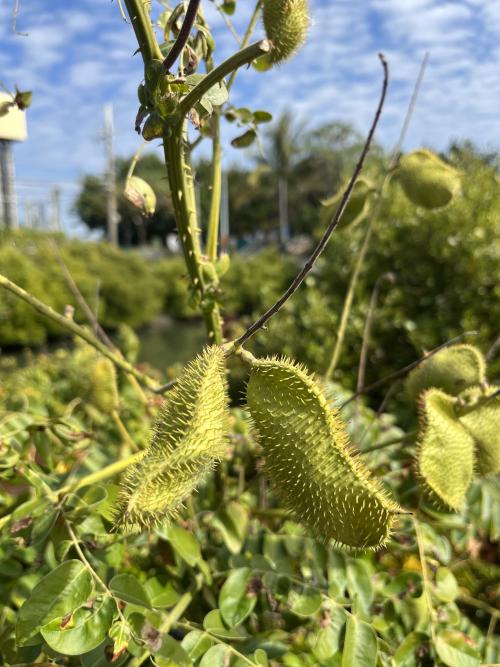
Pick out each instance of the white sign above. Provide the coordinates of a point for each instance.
(12, 120)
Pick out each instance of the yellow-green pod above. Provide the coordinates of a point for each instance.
(309, 460)
(445, 453)
(426, 180)
(141, 195)
(286, 23)
(479, 413)
(104, 392)
(452, 369)
(357, 206)
(189, 438)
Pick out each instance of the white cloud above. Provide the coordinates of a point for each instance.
(79, 55)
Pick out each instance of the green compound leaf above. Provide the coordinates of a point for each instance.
(426, 180)
(454, 651)
(188, 440)
(128, 588)
(445, 455)
(452, 369)
(58, 594)
(234, 601)
(480, 417)
(286, 23)
(86, 630)
(172, 654)
(360, 645)
(356, 208)
(309, 460)
(216, 656)
(103, 391)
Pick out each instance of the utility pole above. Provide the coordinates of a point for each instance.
(55, 199)
(111, 208)
(9, 202)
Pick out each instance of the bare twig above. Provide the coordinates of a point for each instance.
(369, 232)
(493, 350)
(15, 14)
(246, 38)
(368, 325)
(403, 371)
(183, 36)
(87, 310)
(262, 321)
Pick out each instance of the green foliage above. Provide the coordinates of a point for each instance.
(307, 457)
(257, 585)
(127, 286)
(189, 438)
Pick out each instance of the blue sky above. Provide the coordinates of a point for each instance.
(77, 56)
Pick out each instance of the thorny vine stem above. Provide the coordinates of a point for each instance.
(262, 321)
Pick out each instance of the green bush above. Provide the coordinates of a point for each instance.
(123, 284)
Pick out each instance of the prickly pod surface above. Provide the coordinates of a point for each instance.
(445, 453)
(480, 417)
(189, 438)
(427, 181)
(452, 369)
(309, 460)
(286, 23)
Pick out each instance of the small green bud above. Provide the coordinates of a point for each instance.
(23, 99)
(141, 195)
(286, 23)
(154, 72)
(153, 127)
(426, 180)
(222, 265)
(142, 94)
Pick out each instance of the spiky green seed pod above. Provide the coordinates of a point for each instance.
(357, 206)
(445, 453)
(452, 369)
(286, 23)
(104, 393)
(427, 181)
(480, 416)
(141, 195)
(309, 459)
(188, 439)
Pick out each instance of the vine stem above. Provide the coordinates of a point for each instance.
(183, 36)
(246, 38)
(91, 570)
(214, 217)
(243, 57)
(346, 310)
(77, 330)
(406, 369)
(407, 437)
(93, 478)
(127, 440)
(425, 576)
(262, 321)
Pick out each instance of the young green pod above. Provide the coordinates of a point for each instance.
(188, 439)
(445, 454)
(103, 392)
(479, 413)
(286, 23)
(309, 460)
(426, 180)
(141, 195)
(357, 206)
(452, 369)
